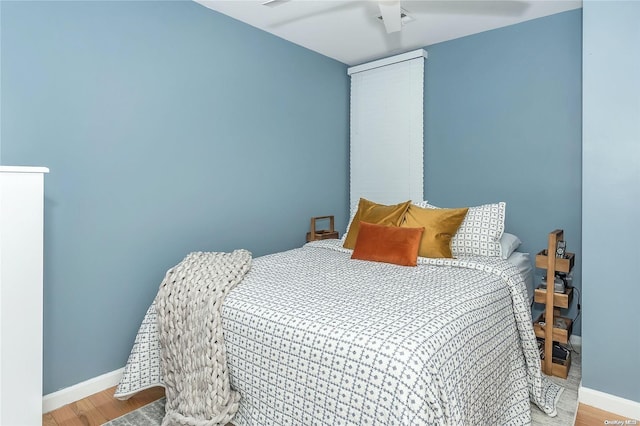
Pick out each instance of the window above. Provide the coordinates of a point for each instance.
(387, 159)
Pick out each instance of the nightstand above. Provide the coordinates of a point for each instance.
(550, 326)
(322, 234)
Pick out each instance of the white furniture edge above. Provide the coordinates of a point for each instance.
(607, 402)
(21, 293)
(387, 61)
(23, 169)
(81, 390)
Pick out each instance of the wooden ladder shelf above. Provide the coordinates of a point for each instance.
(547, 259)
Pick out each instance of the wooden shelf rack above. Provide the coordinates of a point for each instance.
(546, 259)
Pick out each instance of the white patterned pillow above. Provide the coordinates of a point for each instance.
(351, 216)
(422, 204)
(480, 231)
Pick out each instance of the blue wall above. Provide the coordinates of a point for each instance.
(503, 123)
(611, 198)
(168, 128)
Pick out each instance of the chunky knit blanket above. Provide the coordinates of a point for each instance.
(192, 350)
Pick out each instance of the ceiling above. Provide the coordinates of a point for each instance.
(350, 32)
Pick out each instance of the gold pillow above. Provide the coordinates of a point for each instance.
(440, 225)
(378, 214)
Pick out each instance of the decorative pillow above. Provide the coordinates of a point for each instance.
(353, 212)
(378, 214)
(508, 244)
(480, 232)
(390, 244)
(440, 225)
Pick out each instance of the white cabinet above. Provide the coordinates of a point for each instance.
(21, 256)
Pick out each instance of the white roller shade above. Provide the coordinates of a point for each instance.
(387, 147)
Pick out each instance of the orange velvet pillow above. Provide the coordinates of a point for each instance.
(390, 244)
(440, 225)
(375, 213)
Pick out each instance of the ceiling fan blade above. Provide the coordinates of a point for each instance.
(390, 11)
(274, 3)
(320, 9)
(469, 7)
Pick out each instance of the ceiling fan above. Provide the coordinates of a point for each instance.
(391, 13)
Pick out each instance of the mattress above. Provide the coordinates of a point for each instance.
(314, 338)
(522, 261)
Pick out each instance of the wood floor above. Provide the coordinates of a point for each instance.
(588, 416)
(102, 407)
(99, 408)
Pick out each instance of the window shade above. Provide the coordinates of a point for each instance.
(387, 147)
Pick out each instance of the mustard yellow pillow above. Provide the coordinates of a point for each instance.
(378, 214)
(440, 225)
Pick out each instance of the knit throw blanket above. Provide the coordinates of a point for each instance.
(192, 352)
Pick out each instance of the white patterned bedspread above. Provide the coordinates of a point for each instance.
(314, 337)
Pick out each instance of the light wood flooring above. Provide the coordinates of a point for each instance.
(99, 408)
(102, 407)
(588, 416)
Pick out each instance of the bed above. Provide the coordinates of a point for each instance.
(315, 337)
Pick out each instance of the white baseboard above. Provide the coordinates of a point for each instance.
(611, 403)
(81, 390)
